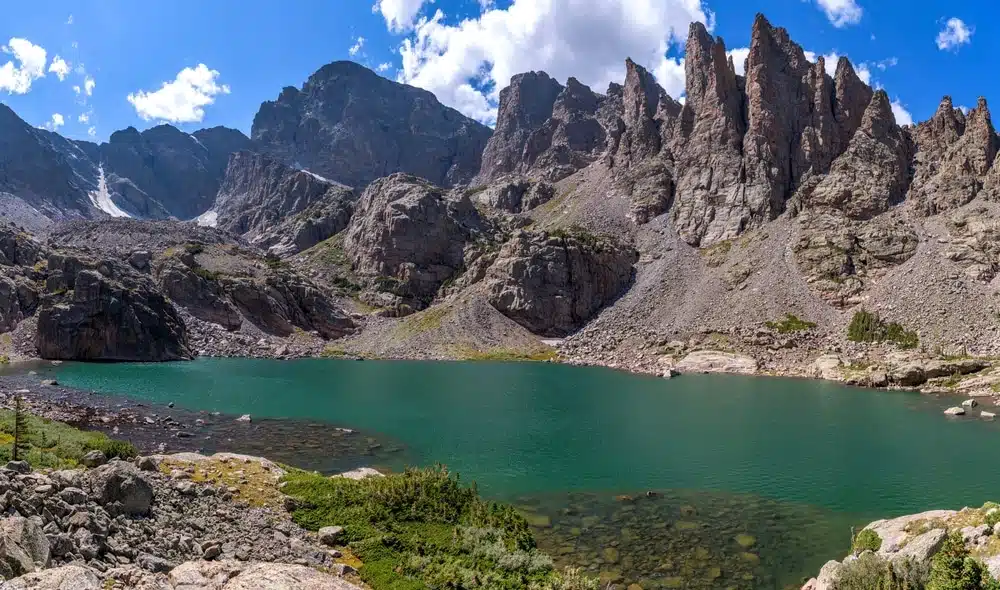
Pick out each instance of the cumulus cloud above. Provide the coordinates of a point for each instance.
(358, 44)
(84, 118)
(88, 85)
(182, 100)
(903, 117)
(841, 13)
(92, 132)
(30, 65)
(59, 67)
(954, 34)
(400, 15)
(69, 21)
(468, 63)
(55, 122)
(384, 66)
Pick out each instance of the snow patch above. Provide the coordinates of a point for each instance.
(317, 176)
(102, 200)
(208, 219)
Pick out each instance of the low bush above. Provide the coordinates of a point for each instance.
(57, 445)
(866, 540)
(873, 572)
(867, 326)
(423, 528)
(952, 568)
(790, 324)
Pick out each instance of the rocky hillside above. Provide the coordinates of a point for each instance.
(126, 290)
(351, 125)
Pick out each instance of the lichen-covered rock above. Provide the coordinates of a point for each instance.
(69, 577)
(23, 547)
(551, 283)
(121, 487)
(351, 125)
(105, 310)
(408, 236)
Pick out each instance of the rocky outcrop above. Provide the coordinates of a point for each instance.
(873, 173)
(105, 310)
(714, 361)
(259, 195)
(351, 125)
(407, 237)
(544, 129)
(517, 195)
(552, 283)
(279, 303)
(196, 292)
(954, 155)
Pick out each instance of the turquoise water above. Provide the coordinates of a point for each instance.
(786, 458)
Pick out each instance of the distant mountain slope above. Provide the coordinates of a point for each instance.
(351, 125)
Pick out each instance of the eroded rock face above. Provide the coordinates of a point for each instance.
(954, 155)
(259, 197)
(838, 257)
(351, 125)
(279, 303)
(552, 283)
(873, 174)
(517, 195)
(203, 298)
(407, 237)
(105, 310)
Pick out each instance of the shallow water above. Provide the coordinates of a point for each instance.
(792, 464)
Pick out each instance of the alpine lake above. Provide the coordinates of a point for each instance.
(701, 481)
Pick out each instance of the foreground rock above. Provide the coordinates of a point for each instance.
(712, 361)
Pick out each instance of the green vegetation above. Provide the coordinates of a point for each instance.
(274, 263)
(951, 381)
(579, 234)
(873, 572)
(420, 322)
(194, 248)
(952, 568)
(868, 327)
(20, 447)
(4, 359)
(331, 351)
(790, 324)
(507, 354)
(475, 190)
(208, 275)
(422, 528)
(47, 443)
(866, 540)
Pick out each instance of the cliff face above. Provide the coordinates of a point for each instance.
(352, 126)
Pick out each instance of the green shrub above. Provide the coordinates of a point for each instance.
(4, 359)
(866, 540)
(113, 448)
(790, 324)
(194, 248)
(867, 326)
(208, 275)
(952, 568)
(423, 528)
(873, 572)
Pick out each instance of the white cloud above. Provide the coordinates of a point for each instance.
(467, 64)
(357, 46)
(954, 34)
(400, 14)
(69, 21)
(903, 116)
(88, 85)
(55, 122)
(77, 89)
(59, 67)
(841, 13)
(31, 59)
(886, 63)
(739, 56)
(384, 66)
(181, 100)
(84, 118)
(92, 131)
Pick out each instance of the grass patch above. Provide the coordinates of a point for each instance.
(420, 322)
(250, 481)
(4, 359)
(194, 248)
(509, 355)
(331, 351)
(56, 445)
(208, 275)
(867, 326)
(716, 254)
(790, 324)
(424, 529)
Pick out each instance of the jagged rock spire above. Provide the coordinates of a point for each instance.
(641, 99)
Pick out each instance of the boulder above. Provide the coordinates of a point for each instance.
(955, 411)
(67, 577)
(23, 547)
(713, 361)
(828, 367)
(330, 535)
(970, 403)
(828, 576)
(987, 415)
(922, 547)
(93, 459)
(122, 488)
(234, 575)
(360, 473)
(552, 283)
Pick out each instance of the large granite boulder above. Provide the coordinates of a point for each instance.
(23, 547)
(122, 488)
(351, 125)
(408, 236)
(105, 310)
(552, 283)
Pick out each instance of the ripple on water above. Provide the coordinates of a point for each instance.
(687, 539)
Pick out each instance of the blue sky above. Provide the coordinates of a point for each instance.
(228, 57)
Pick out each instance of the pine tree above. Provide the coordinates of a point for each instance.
(21, 431)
